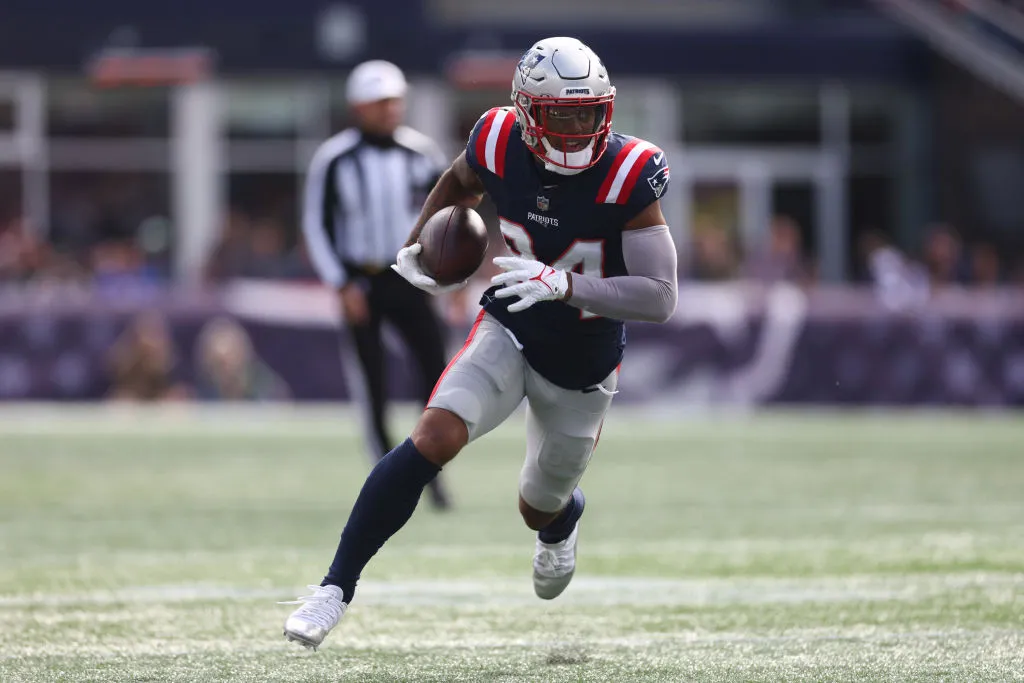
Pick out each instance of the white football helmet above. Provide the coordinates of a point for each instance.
(563, 101)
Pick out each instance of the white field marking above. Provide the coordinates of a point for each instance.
(733, 552)
(895, 546)
(584, 591)
(316, 421)
(739, 549)
(190, 421)
(491, 639)
(751, 437)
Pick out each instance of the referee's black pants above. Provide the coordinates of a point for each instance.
(409, 310)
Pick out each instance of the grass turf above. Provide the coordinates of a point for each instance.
(153, 546)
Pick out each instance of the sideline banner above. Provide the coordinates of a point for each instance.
(733, 344)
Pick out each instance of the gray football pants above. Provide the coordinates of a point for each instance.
(488, 379)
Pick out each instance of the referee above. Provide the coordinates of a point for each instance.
(364, 191)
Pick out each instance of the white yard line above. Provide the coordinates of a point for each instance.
(894, 545)
(353, 640)
(585, 591)
(317, 420)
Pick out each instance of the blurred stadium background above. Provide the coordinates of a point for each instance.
(845, 191)
(847, 197)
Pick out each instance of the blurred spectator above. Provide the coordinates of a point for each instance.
(266, 253)
(121, 266)
(297, 264)
(62, 268)
(257, 249)
(22, 256)
(714, 256)
(780, 257)
(986, 269)
(942, 254)
(229, 255)
(143, 364)
(899, 283)
(228, 368)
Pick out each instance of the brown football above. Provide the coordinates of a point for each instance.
(454, 244)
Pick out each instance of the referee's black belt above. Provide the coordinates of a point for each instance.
(366, 269)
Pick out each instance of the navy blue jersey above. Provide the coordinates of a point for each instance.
(573, 223)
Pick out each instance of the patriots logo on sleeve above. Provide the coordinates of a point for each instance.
(659, 181)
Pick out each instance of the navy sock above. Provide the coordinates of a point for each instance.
(384, 505)
(559, 530)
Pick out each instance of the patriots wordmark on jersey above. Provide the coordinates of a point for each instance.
(573, 223)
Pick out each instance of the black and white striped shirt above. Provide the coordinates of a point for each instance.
(362, 198)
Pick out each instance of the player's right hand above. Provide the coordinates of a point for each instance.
(408, 266)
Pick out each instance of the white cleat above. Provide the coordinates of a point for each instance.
(320, 612)
(553, 566)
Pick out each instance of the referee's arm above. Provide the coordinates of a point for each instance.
(320, 221)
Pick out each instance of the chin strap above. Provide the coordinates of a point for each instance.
(581, 158)
(548, 166)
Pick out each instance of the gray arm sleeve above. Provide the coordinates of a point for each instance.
(648, 293)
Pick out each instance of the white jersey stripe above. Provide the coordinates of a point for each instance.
(492, 140)
(623, 172)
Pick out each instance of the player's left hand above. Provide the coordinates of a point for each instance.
(530, 280)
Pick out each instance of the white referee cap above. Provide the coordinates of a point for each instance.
(375, 80)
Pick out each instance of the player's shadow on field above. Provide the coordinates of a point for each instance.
(566, 656)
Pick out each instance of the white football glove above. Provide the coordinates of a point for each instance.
(408, 266)
(531, 281)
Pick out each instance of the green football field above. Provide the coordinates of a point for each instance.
(154, 546)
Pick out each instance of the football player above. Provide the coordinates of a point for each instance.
(579, 210)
